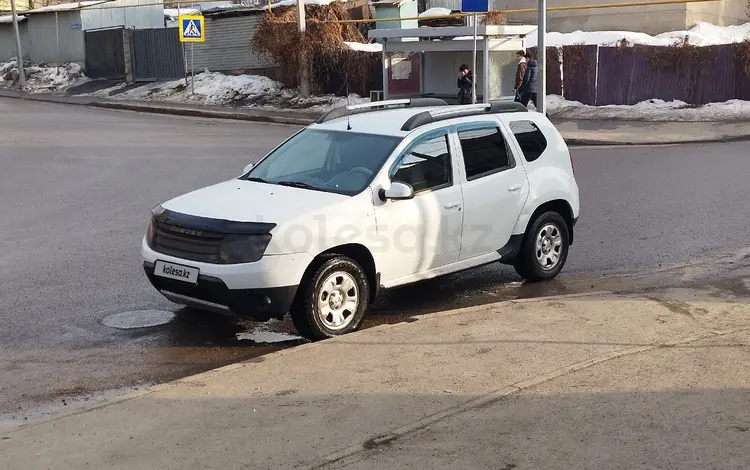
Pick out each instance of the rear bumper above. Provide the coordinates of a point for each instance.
(211, 293)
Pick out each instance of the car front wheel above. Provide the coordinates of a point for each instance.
(544, 249)
(333, 300)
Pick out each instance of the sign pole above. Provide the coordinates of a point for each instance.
(19, 59)
(192, 69)
(57, 36)
(541, 52)
(474, 65)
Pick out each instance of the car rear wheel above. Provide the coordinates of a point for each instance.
(333, 300)
(544, 249)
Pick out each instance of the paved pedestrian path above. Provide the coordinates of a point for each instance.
(596, 381)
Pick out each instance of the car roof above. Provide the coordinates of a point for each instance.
(390, 121)
(378, 121)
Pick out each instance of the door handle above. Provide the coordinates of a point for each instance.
(514, 188)
(452, 205)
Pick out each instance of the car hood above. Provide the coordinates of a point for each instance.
(248, 201)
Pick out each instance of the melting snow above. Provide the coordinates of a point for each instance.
(358, 46)
(702, 34)
(263, 333)
(432, 12)
(42, 78)
(651, 110)
(213, 88)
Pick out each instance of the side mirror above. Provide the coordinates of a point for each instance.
(397, 191)
(248, 168)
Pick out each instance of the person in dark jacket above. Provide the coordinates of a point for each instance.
(530, 83)
(464, 84)
(520, 72)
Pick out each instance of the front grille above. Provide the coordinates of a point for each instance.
(186, 243)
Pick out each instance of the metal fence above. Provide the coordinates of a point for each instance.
(105, 55)
(156, 54)
(629, 75)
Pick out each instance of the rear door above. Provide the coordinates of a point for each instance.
(494, 185)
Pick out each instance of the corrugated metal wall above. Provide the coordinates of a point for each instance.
(43, 41)
(8, 41)
(228, 45)
(107, 16)
(157, 54)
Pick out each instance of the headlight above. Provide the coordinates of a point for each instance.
(243, 248)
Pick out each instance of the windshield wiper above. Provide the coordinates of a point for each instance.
(256, 179)
(298, 184)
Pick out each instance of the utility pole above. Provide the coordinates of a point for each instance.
(304, 79)
(541, 52)
(474, 64)
(21, 74)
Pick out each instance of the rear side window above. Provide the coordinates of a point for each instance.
(530, 138)
(484, 152)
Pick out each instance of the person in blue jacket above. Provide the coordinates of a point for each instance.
(530, 83)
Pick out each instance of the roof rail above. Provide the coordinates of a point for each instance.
(379, 106)
(492, 107)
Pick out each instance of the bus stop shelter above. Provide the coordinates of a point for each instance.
(425, 61)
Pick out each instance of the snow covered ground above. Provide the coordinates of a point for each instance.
(651, 110)
(42, 78)
(217, 89)
(702, 34)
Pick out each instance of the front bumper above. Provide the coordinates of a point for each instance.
(211, 293)
(261, 290)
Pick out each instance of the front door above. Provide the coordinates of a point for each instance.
(495, 188)
(422, 233)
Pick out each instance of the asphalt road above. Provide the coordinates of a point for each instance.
(77, 185)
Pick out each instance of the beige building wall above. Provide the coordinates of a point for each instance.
(648, 19)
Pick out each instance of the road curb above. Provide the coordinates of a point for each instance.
(576, 142)
(205, 113)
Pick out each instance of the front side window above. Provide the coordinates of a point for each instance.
(530, 139)
(341, 162)
(427, 165)
(484, 152)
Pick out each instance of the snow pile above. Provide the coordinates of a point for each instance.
(42, 78)
(702, 34)
(8, 19)
(217, 89)
(651, 110)
(68, 6)
(433, 12)
(369, 47)
(174, 13)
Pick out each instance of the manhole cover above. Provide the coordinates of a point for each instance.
(138, 319)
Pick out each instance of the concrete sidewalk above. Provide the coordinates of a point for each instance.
(575, 132)
(597, 381)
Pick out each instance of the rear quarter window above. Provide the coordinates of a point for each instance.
(530, 139)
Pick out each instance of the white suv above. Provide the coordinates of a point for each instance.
(369, 197)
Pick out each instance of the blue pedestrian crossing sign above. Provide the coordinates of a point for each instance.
(191, 28)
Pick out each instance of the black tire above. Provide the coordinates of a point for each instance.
(305, 313)
(527, 264)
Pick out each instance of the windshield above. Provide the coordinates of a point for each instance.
(342, 162)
